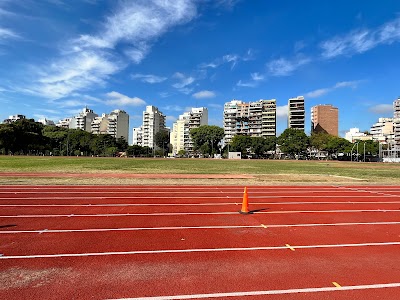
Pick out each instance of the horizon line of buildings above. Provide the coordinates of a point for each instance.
(254, 118)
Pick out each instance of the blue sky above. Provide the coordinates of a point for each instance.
(58, 56)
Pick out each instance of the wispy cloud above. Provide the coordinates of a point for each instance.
(72, 73)
(256, 78)
(183, 83)
(232, 59)
(285, 67)
(204, 94)
(91, 59)
(361, 40)
(136, 24)
(320, 92)
(7, 34)
(148, 78)
(382, 109)
(119, 99)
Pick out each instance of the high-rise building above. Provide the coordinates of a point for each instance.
(180, 135)
(296, 113)
(382, 131)
(118, 124)
(256, 118)
(325, 119)
(153, 122)
(396, 123)
(83, 120)
(115, 124)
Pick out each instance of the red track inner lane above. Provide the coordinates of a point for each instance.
(108, 273)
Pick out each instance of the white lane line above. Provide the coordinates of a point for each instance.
(195, 204)
(185, 197)
(195, 250)
(195, 227)
(201, 213)
(270, 292)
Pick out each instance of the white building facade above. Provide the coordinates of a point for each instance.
(180, 135)
(153, 122)
(396, 123)
(83, 120)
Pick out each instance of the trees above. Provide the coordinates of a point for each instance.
(162, 140)
(293, 142)
(206, 138)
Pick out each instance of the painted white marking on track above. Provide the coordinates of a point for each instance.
(200, 213)
(195, 227)
(270, 292)
(142, 252)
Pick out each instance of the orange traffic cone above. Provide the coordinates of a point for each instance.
(245, 203)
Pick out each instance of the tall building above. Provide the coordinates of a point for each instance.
(382, 131)
(118, 124)
(256, 118)
(83, 120)
(396, 123)
(296, 113)
(153, 122)
(325, 119)
(180, 135)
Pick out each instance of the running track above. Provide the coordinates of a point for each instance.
(190, 242)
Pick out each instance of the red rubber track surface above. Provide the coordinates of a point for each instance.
(113, 242)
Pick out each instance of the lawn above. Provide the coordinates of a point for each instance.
(365, 171)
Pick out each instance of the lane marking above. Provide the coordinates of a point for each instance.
(195, 204)
(194, 227)
(197, 197)
(336, 284)
(290, 247)
(270, 292)
(201, 213)
(195, 250)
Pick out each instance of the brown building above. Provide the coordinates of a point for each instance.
(325, 118)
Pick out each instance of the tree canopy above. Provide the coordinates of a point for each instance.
(206, 138)
(293, 142)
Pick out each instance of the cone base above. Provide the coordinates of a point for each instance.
(244, 212)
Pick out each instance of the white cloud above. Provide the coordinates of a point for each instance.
(234, 59)
(382, 109)
(173, 108)
(282, 112)
(138, 23)
(361, 40)
(246, 84)
(320, 92)
(285, 67)
(184, 82)
(204, 94)
(81, 71)
(7, 34)
(149, 78)
(119, 99)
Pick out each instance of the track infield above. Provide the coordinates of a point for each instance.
(190, 242)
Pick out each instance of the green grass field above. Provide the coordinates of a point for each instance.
(371, 172)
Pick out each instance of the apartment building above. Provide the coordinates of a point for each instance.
(64, 123)
(12, 119)
(396, 123)
(256, 118)
(325, 119)
(382, 131)
(296, 113)
(118, 124)
(153, 122)
(180, 135)
(83, 120)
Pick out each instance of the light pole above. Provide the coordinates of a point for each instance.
(364, 150)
